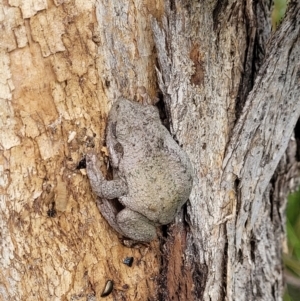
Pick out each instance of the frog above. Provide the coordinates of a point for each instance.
(152, 174)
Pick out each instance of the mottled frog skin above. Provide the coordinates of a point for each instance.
(152, 175)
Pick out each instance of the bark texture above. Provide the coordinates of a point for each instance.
(54, 243)
(231, 97)
(236, 225)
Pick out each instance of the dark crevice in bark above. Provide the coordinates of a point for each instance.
(262, 11)
(218, 10)
(172, 5)
(199, 275)
(225, 261)
(259, 54)
(237, 189)
(297, 137)
(164, 231)
(186, 218)
(247, 80)
(273, 291)
(271, 199)
(162, 278)
(162, 111)
(252, 248)
(240, 256)
(258, 33)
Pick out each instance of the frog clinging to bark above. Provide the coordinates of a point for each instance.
(152, 175)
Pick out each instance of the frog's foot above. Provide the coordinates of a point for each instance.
(136, 226)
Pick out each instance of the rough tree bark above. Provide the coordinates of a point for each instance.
(236, 243)
(231, 93)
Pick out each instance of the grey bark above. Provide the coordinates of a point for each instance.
(236, 224)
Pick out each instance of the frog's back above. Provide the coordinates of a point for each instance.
(157, 171)
(158, 186)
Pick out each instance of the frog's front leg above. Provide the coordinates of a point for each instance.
(105, 190)
(101, 187)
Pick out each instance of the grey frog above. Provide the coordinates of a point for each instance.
(152, 175)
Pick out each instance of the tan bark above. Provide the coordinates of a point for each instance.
(63, 64)
(53, 107)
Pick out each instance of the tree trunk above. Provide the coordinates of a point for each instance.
(231, 93)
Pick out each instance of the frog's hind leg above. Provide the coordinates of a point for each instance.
(109, 210)
(136, 226)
